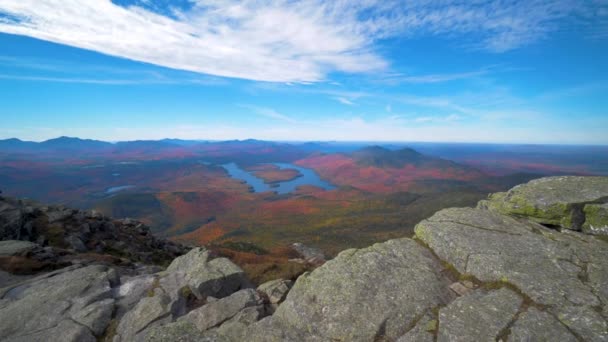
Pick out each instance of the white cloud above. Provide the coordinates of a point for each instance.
(434, 78)
(283, 40)
(269, 113)
(436, 119)
(258, 40)
(344, 100)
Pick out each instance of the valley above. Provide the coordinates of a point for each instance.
(250, 200)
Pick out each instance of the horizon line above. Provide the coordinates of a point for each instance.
(319, 141)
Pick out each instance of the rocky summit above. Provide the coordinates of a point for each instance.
(530, 264)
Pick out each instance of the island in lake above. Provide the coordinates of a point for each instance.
(273, 174)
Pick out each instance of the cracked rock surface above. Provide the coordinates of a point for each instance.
(361, 295)
(564, 273)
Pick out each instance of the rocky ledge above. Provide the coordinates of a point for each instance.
(63, 234)
(527, 265)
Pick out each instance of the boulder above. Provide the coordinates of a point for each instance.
(479, 316)
(556, 201)
(131, 290)
(309, 254)
(76, 243)
(205, 276)
(275, 291)
(215, 313)
(16, 247)
(361, 295)
(150, 311)
(235, 329)
(561, 270)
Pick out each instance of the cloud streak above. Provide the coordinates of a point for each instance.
(281, 40)
(269, 113)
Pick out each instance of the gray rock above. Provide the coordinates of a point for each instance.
(310, 254)
(76, 243)
(150, 311)
(16, 247)
(361, 295)
(205, 276)
(555, 201)
(180, 331)
(584, 321)
(66, 331)
(478, 316)
(270, 329)
(217, 312)
(564, 271)
(235, 329)
(42, 303)
(58, 214)
(422, 332)
(131, 291)
(535, 325)
(596, 219)
(96, 316)
(7, 279)
(275, 291)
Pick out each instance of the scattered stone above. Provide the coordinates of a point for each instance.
(468, 284)
(459, 288)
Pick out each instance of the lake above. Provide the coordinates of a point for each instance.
(309, 177)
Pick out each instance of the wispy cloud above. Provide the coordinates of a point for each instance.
(269, 113)
(434, 78)
(281, 40)
(435, 119)
(58, 71)
(344, 100)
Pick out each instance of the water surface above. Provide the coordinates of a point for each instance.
(308, 177)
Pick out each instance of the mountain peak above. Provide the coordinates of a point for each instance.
(379, 156)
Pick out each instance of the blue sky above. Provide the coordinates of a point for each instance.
(453, 71)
